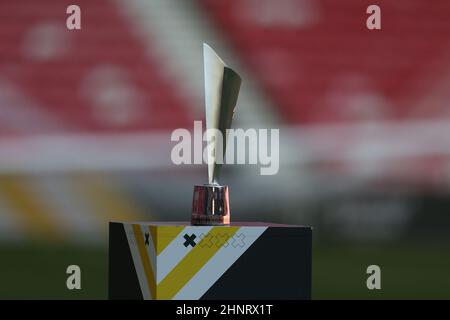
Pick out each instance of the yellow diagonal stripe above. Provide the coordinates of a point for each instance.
(154, 235)
(107, 201)
(194, 261)
(29, 208)
(149, 274)
(164, 235)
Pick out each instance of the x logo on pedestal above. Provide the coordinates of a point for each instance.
(189, 240)
(147, 240)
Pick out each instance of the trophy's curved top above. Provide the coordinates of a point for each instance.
(222, 86)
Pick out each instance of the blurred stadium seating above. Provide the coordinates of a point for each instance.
(320, 64)
(101, 80)
(323, 68)
(86, 116)
(72, 85)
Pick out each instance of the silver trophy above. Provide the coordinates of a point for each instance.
(210, 205)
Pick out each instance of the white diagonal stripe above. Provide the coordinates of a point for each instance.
(219, 263)
(176, 251)
(137, 261)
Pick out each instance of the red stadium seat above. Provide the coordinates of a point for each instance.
(317, 58)
(97, 79)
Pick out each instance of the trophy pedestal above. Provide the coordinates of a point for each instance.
(163, 261)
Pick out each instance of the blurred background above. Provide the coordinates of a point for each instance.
(364, 117)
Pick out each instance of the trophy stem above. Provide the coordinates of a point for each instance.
(210, 205)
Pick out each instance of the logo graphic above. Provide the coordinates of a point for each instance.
(189, 240)
(222, 240)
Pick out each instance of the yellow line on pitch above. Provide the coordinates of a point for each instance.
(108, 203)
(33, 215)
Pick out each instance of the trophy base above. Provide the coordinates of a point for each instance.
(201, 220)
(210, 206)
(165, 261)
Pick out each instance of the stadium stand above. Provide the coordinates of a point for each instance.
(319, 63)
(100, 79)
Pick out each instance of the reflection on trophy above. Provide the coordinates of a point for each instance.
(210, 204)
